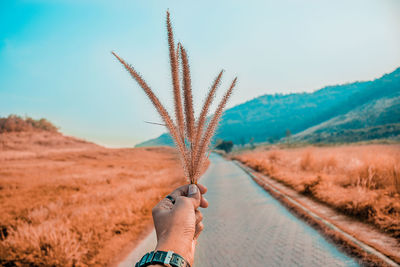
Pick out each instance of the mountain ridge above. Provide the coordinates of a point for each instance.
(268, 117)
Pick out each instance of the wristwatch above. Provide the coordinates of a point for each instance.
(162, 257)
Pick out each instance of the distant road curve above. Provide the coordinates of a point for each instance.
(245, 226)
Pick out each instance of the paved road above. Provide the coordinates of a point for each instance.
(245, 226)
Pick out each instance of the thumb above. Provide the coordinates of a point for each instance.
(194, 194)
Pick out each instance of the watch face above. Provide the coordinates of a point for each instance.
(168, 258)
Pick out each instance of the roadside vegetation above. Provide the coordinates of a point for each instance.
(362, 181)
(14, 123)
(67, 202)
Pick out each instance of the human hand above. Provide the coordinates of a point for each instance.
(179, 225)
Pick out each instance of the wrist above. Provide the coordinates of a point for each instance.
(162, 258)
(183, 250)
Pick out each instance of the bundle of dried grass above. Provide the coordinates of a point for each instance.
(191, 136)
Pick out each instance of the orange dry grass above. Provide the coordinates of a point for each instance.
(360, 181)
(65, 202)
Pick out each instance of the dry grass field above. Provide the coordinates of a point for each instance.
(362, 181)
(66, 202)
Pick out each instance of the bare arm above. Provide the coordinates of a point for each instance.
(179, 225)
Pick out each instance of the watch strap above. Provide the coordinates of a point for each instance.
(166, 258)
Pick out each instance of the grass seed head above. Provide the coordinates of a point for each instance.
(191, 136)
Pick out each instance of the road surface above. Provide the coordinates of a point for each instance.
(245, 226)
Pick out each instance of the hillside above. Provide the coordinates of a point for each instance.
(163, 140)
(26, 136)
(68, 202)
(373, 120)
(348, 109)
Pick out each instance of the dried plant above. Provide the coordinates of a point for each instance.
(191, 136)
(396, 179)
(362, 181)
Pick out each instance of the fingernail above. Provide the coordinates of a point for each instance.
(192, 189)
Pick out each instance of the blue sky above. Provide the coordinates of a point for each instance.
(55, 59)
